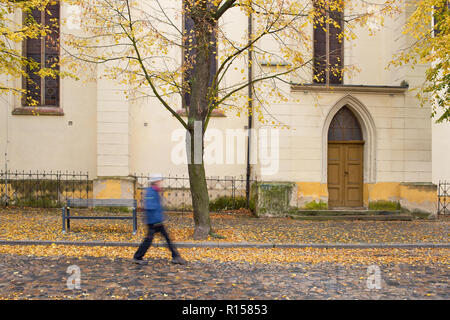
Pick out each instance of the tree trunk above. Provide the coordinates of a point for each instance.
(197, 181)
(199, 82)
(200, 200)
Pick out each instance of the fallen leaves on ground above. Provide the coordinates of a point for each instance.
(46, 224)
(264, 256)
(41, 224)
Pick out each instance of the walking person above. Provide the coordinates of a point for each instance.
(154, 219)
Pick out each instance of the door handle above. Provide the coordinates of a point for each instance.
(346, 172)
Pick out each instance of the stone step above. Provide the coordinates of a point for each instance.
(367, 217)
(345, 212)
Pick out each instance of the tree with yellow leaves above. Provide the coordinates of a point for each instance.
(140, 43)
(429, 26)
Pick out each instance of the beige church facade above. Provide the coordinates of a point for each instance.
(353, 145)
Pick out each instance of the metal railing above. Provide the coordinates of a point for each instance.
(443, 197)
(53, 189)
(225, 193)
(42, 189)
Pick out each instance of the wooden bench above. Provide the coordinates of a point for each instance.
(91, 203)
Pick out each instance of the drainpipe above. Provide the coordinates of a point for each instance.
(6, 153)
(250, 108)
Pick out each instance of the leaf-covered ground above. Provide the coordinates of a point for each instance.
(40, 224)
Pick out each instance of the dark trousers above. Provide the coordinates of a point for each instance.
(152, 229)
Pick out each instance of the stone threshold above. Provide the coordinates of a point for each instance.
(368, 217)
(338, 212)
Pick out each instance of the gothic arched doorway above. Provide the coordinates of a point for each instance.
(345, 161)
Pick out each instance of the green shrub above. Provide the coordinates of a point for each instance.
(384, 205)
(228, 203)
(313, 205)
(41, 202)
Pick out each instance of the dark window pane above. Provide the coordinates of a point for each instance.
(344, 127)
(320, 51)
(35, 15)
(336, 52)
(33, 50)
(33, 83)
(34, 47)
(51, 90)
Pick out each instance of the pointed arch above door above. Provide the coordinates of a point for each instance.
(345, 127)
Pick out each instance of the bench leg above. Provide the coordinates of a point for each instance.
(134, 221)
(64, 219)
(68, 219)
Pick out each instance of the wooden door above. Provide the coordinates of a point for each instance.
(345, 174)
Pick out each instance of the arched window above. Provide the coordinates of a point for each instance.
(344, 127)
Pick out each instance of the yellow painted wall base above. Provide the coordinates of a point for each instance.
(410, 196)
(114, 188)
(308, 192)
(420, 197)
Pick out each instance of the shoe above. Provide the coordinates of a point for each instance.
(179, 260)
(139, 261)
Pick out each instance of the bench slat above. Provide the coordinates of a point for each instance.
(86, 217)
(101, 203)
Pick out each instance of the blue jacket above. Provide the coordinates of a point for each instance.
(152, 206)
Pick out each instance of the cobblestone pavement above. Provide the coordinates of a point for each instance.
(32, 277)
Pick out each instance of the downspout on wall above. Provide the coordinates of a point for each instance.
(249, 107)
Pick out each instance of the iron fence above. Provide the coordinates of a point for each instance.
(444, 197)
(225, 193)
(43, 189)
(53, 189)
